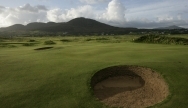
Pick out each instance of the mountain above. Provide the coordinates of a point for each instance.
(170, 27)
(15, 27)
(30, 26)
(77, 25)
(83, 22)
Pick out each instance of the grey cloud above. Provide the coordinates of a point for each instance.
(93, 1)
(41, 7)
(43, 0)
(2, 9)
(35, 9)
(155, 24)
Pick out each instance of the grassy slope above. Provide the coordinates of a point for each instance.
(59, 77)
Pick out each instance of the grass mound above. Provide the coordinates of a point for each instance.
(7, 45)
(31, 40)
(66, 40)
(97, 39)
(49, 42)
(28, 44)
(162, 40)
(129, 86)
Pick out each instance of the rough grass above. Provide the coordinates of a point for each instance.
(162, 39)
(60, 77)
(28, 44)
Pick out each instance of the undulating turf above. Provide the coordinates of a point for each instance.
(59, 77)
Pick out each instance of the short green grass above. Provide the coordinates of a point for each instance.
(60, 77)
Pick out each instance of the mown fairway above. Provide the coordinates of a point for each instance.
(59, 77)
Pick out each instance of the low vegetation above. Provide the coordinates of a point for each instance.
(162, 39)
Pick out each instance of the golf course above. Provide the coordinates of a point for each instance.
(56, 72)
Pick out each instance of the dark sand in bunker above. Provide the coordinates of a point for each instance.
(129, 87)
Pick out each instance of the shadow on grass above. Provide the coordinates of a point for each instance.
(35, 98)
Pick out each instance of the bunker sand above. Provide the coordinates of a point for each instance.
(129, 87)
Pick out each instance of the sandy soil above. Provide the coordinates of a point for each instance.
(140, 88)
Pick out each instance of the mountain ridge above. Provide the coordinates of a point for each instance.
(170, 27)
(81, 26)
(74, 25)
(77, 23)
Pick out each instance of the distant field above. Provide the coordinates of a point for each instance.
(58, 75)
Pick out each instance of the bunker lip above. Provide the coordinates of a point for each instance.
(43, 48)
(129, 86)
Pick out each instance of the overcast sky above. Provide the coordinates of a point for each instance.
(122, 13)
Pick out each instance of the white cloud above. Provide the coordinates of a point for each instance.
(165, 18)
(59, 15)
(115, 13)
(3, 22)
(54, 15)
(22, 15)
